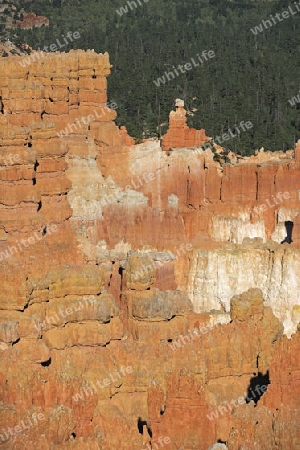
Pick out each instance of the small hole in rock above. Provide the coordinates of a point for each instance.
(46, 363)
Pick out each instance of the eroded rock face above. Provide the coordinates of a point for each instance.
(179, 135)
(217, 275)
(218, 447)
(127, 316)
(164, 305)
(31, 20)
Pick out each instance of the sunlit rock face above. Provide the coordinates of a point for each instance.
(143, 290)
(179, 135)
(236, 229)
(216, 275)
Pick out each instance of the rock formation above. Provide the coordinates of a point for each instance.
(146, 296)
(179, 135)
(31, 20)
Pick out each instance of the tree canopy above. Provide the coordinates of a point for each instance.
(251, 78)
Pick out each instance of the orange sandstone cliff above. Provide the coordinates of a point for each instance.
(147, 296)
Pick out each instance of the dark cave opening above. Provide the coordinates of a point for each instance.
(140, 424)
(257, 387)
(289, 225)
(46, 363)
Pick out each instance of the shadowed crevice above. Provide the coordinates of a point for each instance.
(257, 387)
(289, 225)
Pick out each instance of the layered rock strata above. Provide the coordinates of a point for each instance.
(123, 317)
(179, 135)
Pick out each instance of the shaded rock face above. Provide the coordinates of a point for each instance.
(142, 298)
(165, 306)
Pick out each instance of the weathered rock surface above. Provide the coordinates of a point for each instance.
(126, 308)
(217, 275)
(179, 135)
(218, 447)
(31, 20)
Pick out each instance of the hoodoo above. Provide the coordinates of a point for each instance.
(162, 243)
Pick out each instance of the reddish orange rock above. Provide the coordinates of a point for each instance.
(297, 152)
(179, 135)
(31, 20)
(108, 249)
